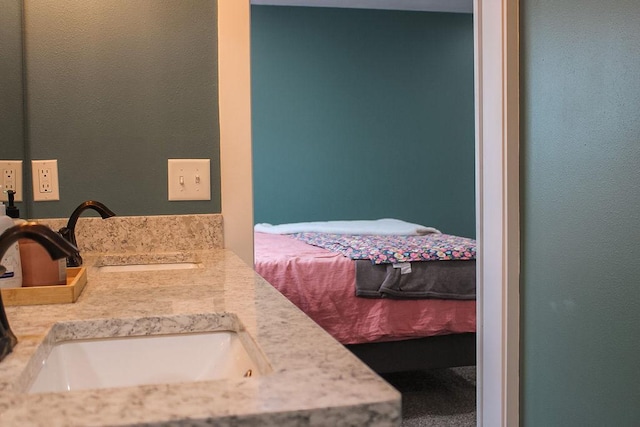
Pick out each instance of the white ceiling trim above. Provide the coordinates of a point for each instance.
(455, 6)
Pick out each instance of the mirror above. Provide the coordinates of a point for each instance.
(112, 89)
(11, 87)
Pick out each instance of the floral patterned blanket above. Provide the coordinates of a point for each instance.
(394, 249)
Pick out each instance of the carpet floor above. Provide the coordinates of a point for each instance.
(441, 397)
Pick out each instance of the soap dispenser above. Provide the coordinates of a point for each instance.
(38, 269)
(12, 210)
(12, 276)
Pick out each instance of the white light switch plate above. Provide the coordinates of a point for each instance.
(189, 179)
(45, 180)
(11, 179)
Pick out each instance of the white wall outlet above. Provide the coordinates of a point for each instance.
(189, 179)
(11, 179)
(45, 180)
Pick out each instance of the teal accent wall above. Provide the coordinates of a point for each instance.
(11, 108)
(363, 114)
(114, 89)
(580, 212)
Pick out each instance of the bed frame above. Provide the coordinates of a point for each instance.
(442, 351)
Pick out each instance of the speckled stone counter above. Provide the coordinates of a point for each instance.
(310, 379)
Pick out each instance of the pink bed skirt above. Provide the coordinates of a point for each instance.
(322, 284)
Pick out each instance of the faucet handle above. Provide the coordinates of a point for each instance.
(66, 234)
(74, 260)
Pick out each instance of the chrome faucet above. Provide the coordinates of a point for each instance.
(56, 246)
(69, 232)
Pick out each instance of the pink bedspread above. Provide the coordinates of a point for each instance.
(322, 284)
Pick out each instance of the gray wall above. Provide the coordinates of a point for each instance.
(114, 89)
(11, 108)
(363, 114)
(580, 213)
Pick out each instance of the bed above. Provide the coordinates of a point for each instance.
(387, 333)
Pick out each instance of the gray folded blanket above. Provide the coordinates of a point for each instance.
(427, 279)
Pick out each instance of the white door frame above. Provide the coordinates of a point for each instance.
(497, 184)
(234, 100)
(497, 210)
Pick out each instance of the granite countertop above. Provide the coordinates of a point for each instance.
(313, 380)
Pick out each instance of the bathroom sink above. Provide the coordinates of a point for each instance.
(138, 360)
(148, 267)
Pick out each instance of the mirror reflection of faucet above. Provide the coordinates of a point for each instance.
(56, 246)
(68, 232)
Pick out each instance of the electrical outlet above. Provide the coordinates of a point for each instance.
(11, 179)
(189, 179)
(45, 180)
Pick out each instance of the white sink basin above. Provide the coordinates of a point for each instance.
(137, 360)
(148, 267)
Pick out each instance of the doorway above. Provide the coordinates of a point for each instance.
(497, 109)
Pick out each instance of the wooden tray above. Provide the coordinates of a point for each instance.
(54, 294)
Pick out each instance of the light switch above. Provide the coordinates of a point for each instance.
(189, 179)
